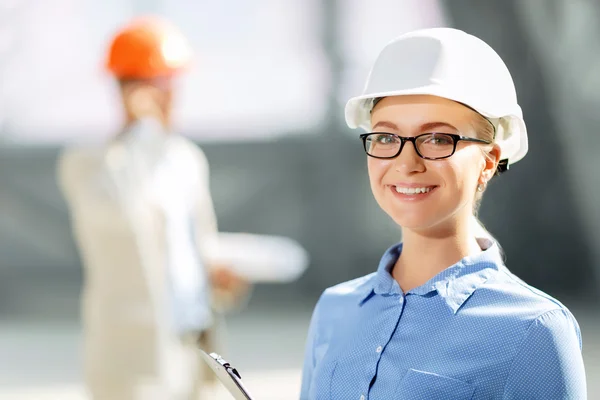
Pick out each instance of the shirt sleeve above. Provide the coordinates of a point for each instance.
(549, 364)
(309, 353)
(206, 219)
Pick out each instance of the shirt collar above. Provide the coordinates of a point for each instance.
(455, 284)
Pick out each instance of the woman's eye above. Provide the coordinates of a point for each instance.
(437, 140)
(384, 139)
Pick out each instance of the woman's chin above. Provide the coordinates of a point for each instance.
(414, 222)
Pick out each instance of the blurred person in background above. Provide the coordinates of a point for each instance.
(142, 216)
(442, 317)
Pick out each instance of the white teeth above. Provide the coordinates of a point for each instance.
(405, 190)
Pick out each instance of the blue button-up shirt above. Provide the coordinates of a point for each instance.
(474, 331)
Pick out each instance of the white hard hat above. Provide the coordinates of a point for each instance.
(452, 64)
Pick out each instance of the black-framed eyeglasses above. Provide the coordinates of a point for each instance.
(429, 146)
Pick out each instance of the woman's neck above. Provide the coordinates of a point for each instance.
(424, 256)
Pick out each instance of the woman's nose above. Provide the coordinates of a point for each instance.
(409, 160)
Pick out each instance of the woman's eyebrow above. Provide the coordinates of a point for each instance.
(429, 126)
(386, 124)
(435, 125)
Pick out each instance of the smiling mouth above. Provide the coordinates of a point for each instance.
(413, 190)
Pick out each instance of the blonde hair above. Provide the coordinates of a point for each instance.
(486, 130)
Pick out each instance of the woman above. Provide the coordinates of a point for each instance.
(442, 318)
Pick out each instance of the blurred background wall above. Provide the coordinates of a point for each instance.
(265, 102)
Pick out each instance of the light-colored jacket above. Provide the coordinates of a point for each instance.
(129, 202)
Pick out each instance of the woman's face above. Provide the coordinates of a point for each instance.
(447, 186)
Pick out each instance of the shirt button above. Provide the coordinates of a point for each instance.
(362, 397)
(379, 349)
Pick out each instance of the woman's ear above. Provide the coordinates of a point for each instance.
(492, 158)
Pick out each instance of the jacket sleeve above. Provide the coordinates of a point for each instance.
(205, 216)
(549, 364)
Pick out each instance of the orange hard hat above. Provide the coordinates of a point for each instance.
(148, 47)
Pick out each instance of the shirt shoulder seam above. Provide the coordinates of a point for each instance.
(529, 328)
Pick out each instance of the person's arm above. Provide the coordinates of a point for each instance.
(206, 219)
(548, 364)
(229, 289)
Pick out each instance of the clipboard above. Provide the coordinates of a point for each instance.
(228, 375)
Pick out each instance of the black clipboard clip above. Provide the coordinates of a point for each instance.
(228, 375)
